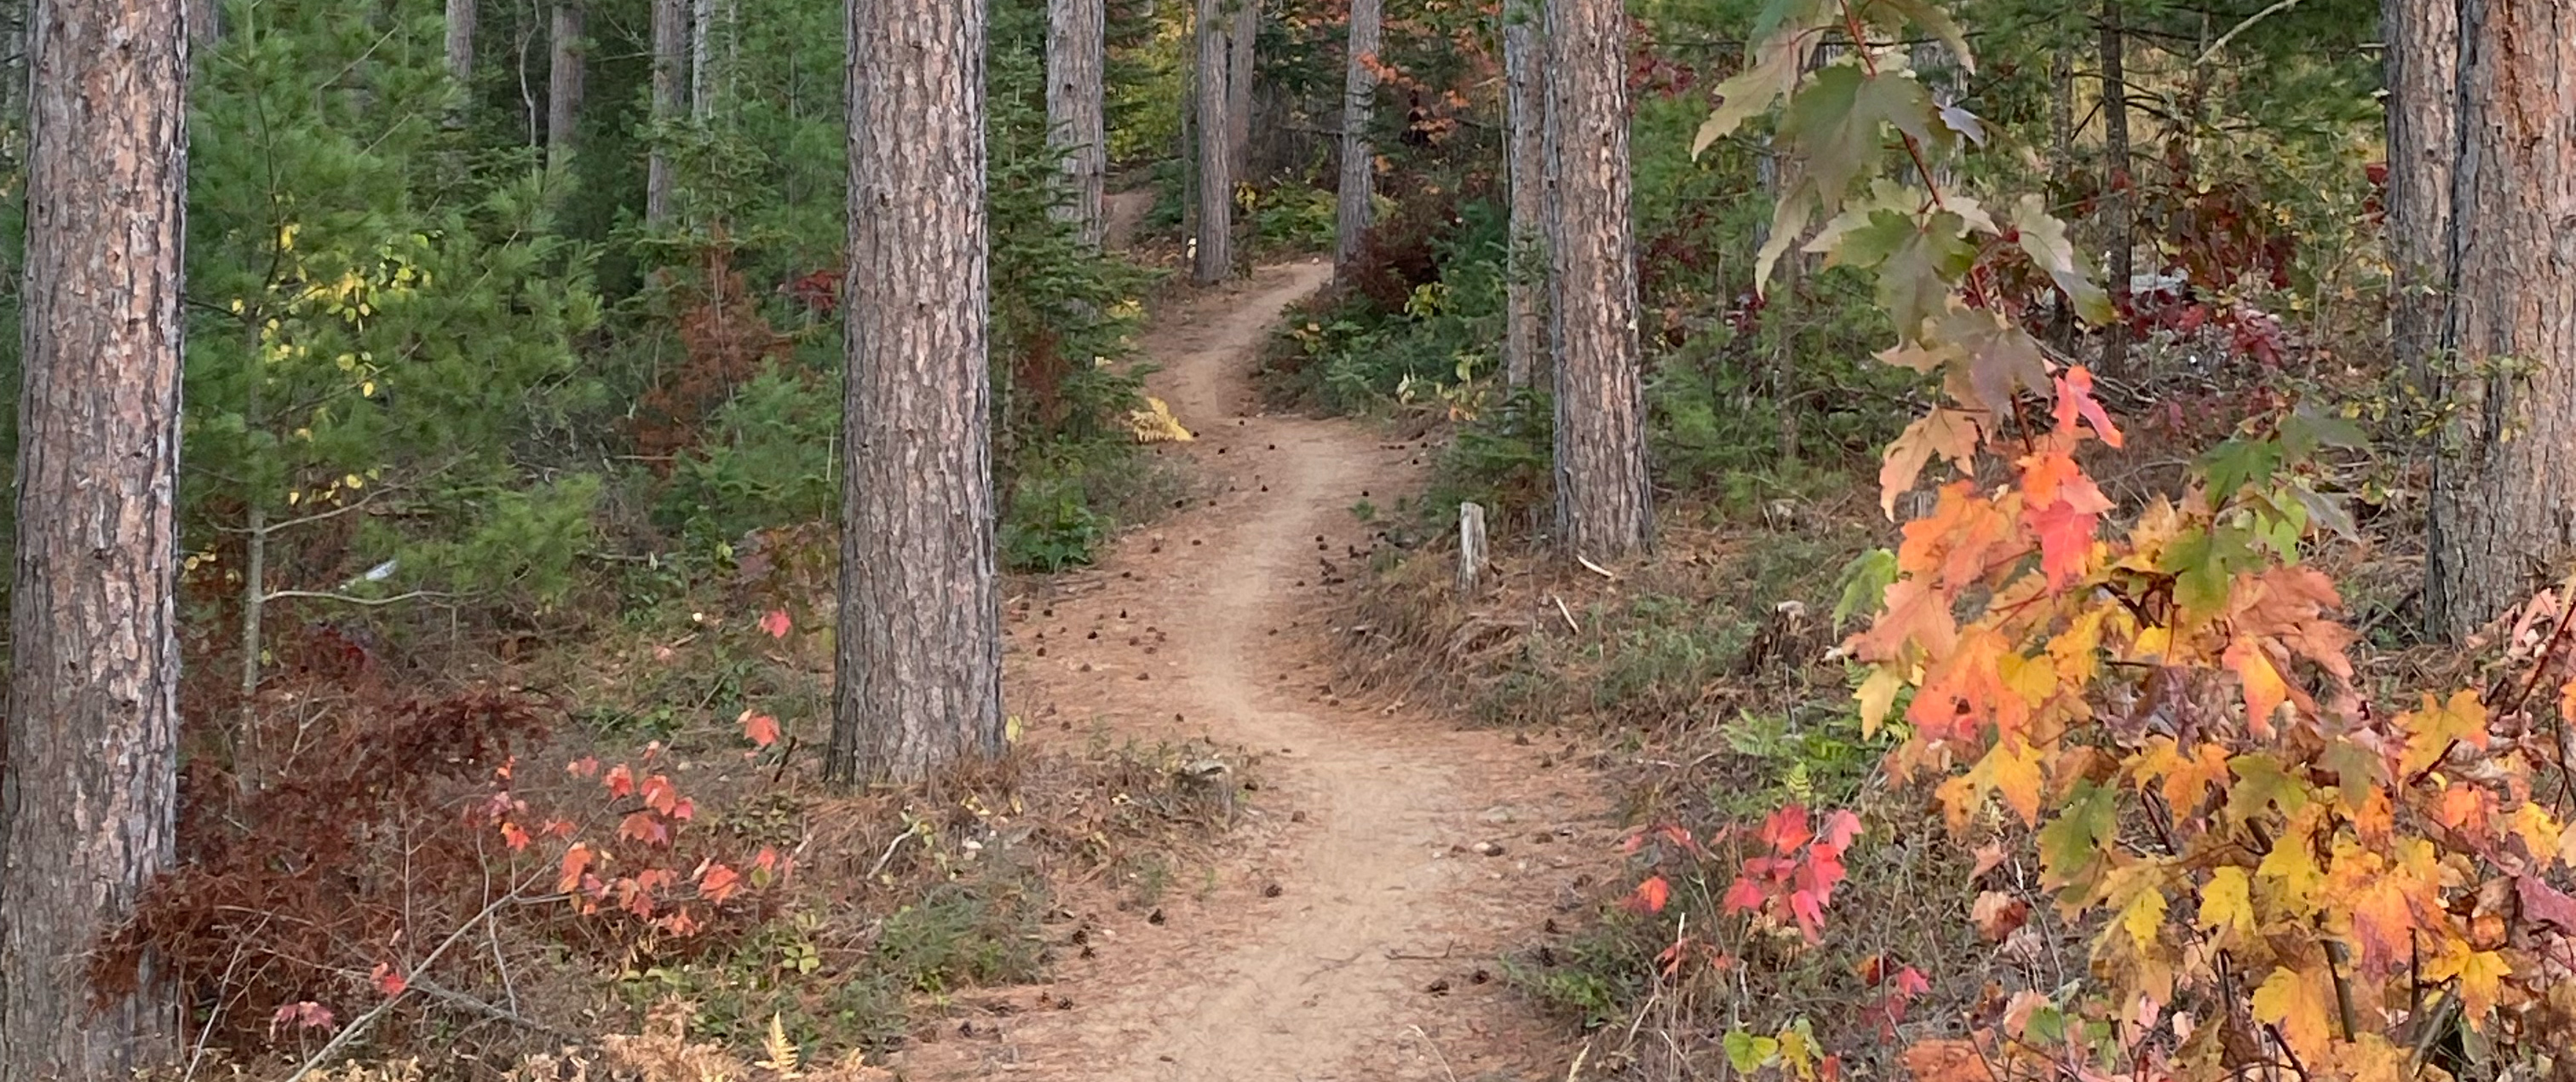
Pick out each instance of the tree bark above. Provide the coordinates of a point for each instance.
(1077, 62)
(920, 681)
(2422, 76)
(89, 767)
(1240, 39)
(2117, 213)
(1604, 506)
(461, 16)
(2061, 172)
(1357, 187)
(702, 66)
(1525, 151)
(1214, 260)
(563, 83)
(670, 54)
(2503, 511)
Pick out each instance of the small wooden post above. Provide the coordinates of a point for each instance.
(1471, 546)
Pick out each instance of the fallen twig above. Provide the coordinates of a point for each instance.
(358, 1027)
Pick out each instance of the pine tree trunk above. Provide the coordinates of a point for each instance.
(1077, 60)
(702, 57)
(1603, 504)
(670, 53)
(1214, 260)
(1525, 151)
(89, 766)
(1242, 33)
(2117, 204)
(2422, 77)
(563, 83)
(1359, 163)
(920, 681)
(461, 24)
(2503, 511)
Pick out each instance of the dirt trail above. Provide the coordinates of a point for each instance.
(1359, 940)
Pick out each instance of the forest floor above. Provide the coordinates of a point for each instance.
(1387, 858)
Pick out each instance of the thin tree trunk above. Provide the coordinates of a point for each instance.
(563, 83)
(1525, 148)
(1077, 60)
(1240, 39)
(702, 60)
(2061, 170)
(2117, 204)
(2422, 76)
(1603, 504)
(1359, 163)
(670, 53)
(920, 680)
(1214, 260)
(461, 16)
(89, 766)
(2502, 515)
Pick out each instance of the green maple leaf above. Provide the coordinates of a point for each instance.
(1780, 45)
(2002, 358)
(2262, 784)
(1834, 124)
(2072, 845)
(1894, 14)
(2043, 238)
(1748, 1053)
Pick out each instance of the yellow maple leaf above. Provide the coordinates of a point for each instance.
(2013, 768)
(2144, 916)
(2292, 868)
(2302, 1006)
(2432, 730)
(2480, 975)
(2540, 831)
(2227, 902)
(1877, 695)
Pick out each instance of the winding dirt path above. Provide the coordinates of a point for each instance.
(1389, 857)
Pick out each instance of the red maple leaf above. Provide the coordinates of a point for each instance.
(760, 729)
(776, 623)
(660, 795)
(644, 827)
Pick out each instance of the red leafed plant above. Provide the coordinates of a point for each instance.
(400, 832)
(1795, 880)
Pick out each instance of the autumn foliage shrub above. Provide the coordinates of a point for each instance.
(2276, 870)
(407, 848)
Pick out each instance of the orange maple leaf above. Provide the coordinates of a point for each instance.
(576, 860)
(1650, 896)
(719, 883)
